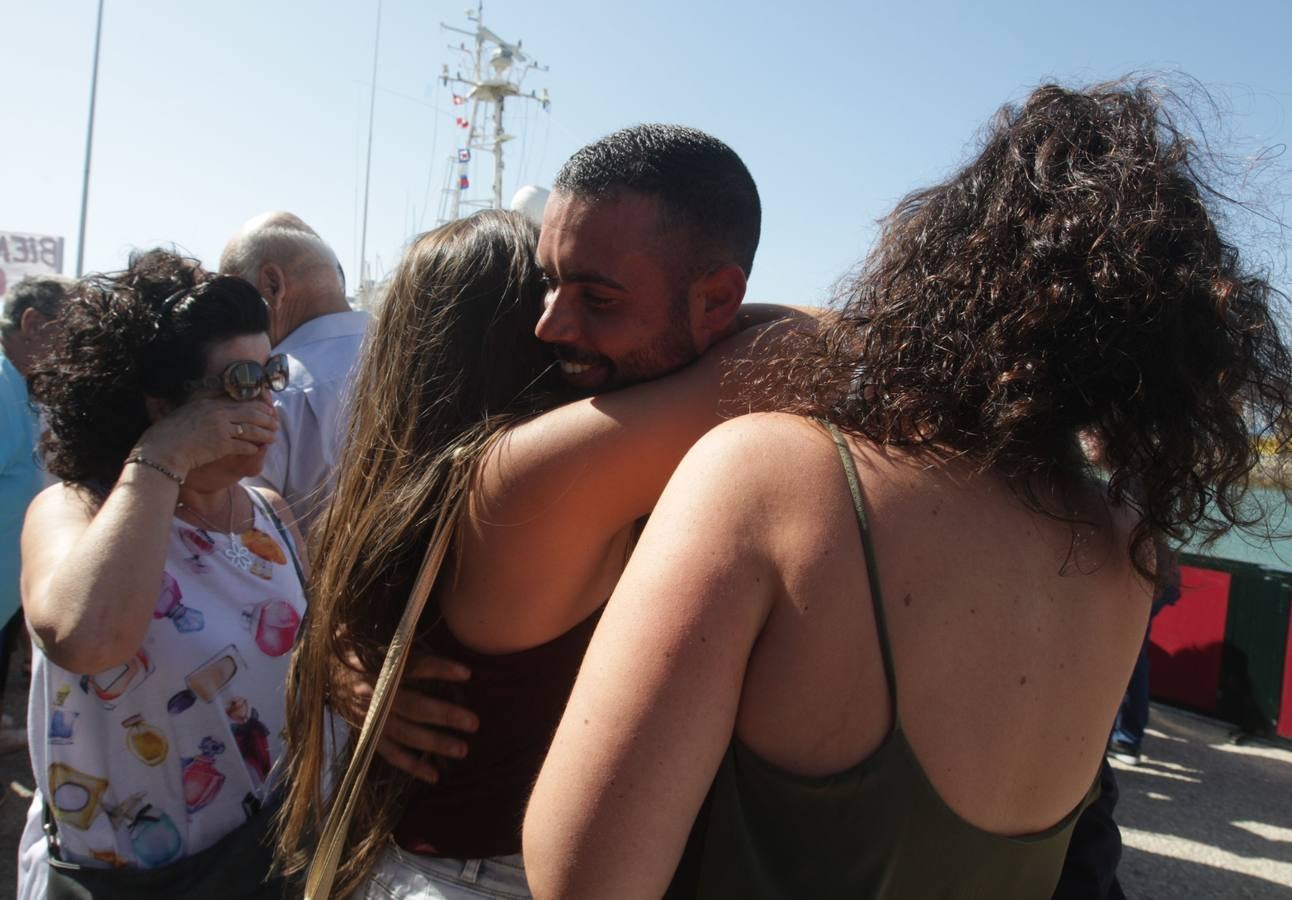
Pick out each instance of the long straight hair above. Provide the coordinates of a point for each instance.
(450, 360)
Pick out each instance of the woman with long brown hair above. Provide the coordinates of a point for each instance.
(450, 383)
(891, 670)
(425, 404)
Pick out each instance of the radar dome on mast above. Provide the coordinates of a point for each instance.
(530, 201)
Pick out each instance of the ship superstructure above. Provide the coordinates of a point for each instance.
(497, 70)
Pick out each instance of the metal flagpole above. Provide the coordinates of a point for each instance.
(367, 177)
(89, 145)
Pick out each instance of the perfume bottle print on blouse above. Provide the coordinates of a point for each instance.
(251, 736)
(62, 722)
(265, 551)
(75, 795)
(169, 607)
(147, 742)
(199, 544)
(111, 685)
(207, 680)
(273, 625)
(153, 835)
(202, 780)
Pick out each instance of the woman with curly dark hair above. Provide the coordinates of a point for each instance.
(892, 667)
(162, 596)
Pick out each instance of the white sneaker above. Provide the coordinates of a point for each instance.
(1123, 752)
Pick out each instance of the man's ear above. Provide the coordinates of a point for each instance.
(272, 284)
(720, 292)
(32, 321)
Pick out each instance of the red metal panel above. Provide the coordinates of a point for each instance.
(1186, 641)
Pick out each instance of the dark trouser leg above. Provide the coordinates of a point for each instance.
(1090, 868)
(1133, 715)
(10, 642)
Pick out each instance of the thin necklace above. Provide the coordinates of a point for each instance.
(237, 554)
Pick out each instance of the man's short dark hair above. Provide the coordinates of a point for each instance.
(43, 293)
(701, 183)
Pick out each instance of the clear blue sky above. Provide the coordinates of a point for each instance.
(211, 112)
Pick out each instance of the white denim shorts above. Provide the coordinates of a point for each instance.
(400, 875)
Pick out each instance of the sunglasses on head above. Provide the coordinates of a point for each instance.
(200, 287)
(244, 380)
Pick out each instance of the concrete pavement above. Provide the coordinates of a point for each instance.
(1203, 816)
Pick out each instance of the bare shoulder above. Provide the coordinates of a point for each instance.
(752, 314)
(276, 501)
(56, 518)
(63, 503)
(755, 435)
(540, 440)
(763, 460)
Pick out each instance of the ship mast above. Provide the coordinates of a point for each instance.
(497, 69)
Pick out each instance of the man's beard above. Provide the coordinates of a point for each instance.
(666, 352)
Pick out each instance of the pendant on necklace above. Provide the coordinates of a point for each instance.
(239, 555)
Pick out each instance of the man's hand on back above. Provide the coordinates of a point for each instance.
(419, 725)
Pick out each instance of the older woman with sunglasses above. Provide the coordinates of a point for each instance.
(163, 596)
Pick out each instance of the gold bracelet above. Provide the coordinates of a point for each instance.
(145, 461)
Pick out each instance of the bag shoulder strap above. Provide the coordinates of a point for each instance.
(872, 565)
(268, 509)
(332, 842)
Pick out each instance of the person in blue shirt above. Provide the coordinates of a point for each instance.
(25, 332)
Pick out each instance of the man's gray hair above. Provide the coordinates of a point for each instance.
(43, 293)
(281, 239)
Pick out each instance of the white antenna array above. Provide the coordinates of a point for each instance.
(497, 69)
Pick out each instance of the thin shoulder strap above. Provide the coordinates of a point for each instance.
(872, 569)
(268, 509)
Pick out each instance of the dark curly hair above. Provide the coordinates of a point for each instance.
(126, 336)
(1069, 280)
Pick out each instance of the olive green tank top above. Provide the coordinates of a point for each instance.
(878, 830)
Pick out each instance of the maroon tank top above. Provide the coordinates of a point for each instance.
(477, 807)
